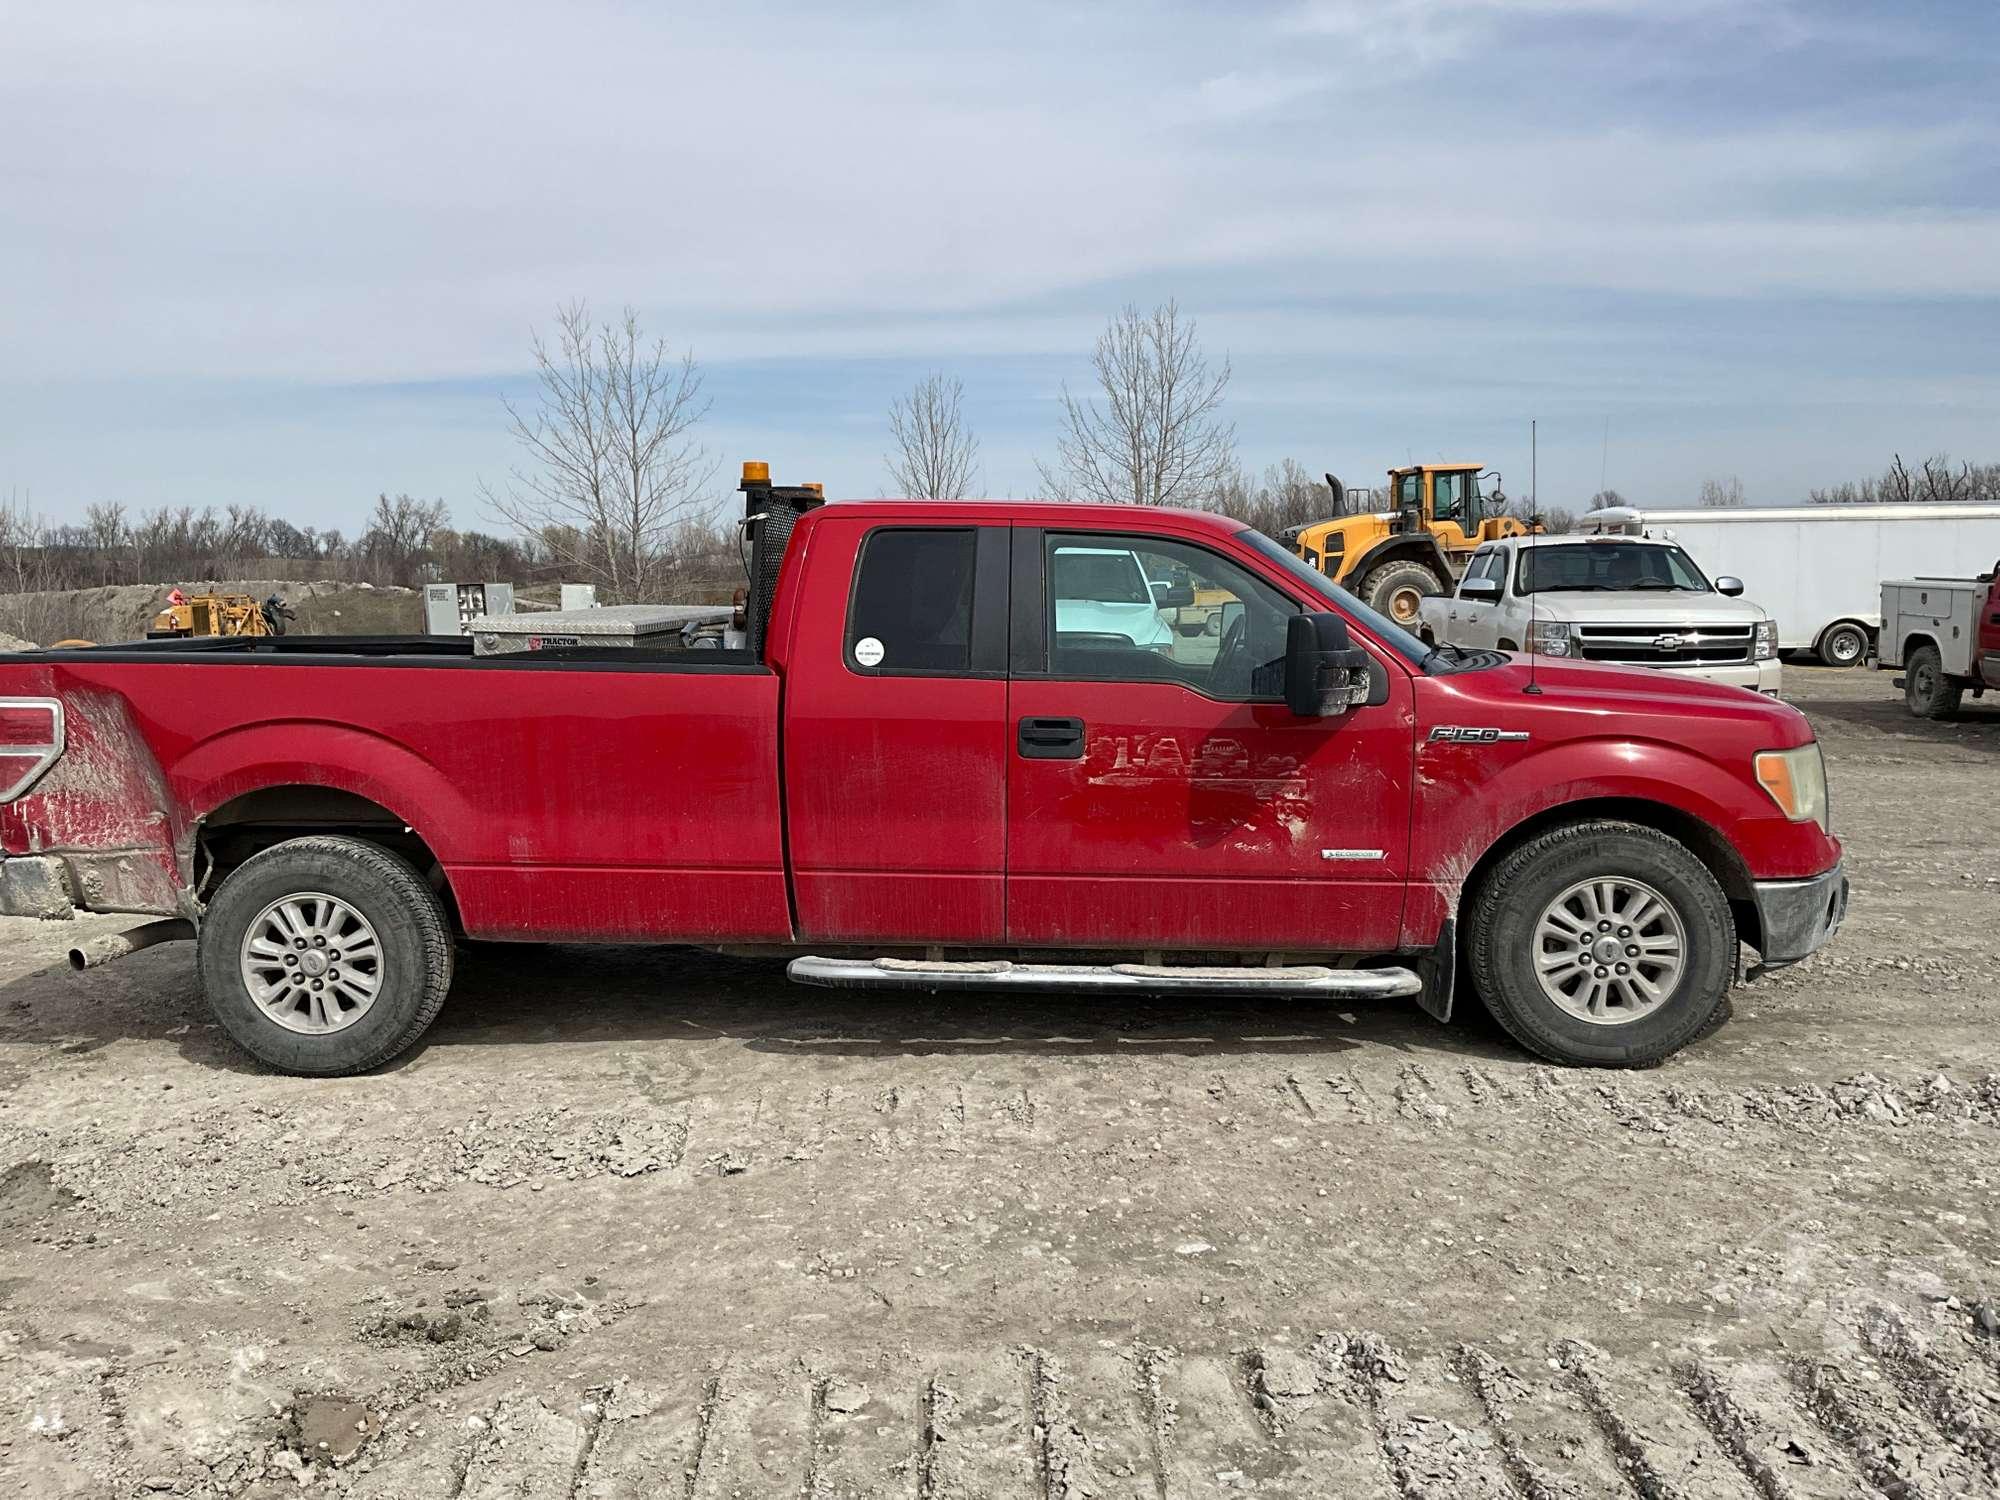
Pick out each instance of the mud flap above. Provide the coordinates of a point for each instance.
(1439, 972)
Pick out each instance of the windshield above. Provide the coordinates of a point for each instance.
(1609, 566)
(1380, 626)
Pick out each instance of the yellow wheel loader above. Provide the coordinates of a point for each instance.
(1394, 558)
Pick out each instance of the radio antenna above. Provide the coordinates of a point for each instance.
(1534, 530)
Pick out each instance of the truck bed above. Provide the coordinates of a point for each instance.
(592, 793)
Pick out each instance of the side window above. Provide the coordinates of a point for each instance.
(1447, 496)
(1409, 490)
(1145, 609)
(1481, 567)
(911, 610)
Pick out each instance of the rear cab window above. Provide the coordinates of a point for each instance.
(911, 610)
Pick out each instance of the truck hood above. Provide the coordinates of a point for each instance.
(1607, 691)
(1644, 606)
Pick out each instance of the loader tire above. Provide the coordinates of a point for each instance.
(1565, 973)
(1398, 588)
(1927, 690)
(325, 955)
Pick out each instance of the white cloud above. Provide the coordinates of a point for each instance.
(367, 193)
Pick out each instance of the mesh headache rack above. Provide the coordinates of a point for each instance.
(770, 511)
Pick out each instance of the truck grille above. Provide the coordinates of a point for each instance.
(1668, 645)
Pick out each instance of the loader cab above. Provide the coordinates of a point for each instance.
(1459, 504)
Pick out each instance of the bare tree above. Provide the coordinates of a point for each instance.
(1604, 499)
(936, 452)
(1158, 438)
(1287, 496)
(1721, 492)
(398, 539)
(612, 468)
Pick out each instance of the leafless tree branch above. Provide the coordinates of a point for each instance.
(610, 466)
(936, 453)
(1158, 437)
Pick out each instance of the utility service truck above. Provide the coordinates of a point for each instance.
(1944, 633)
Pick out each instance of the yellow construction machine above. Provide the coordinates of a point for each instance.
(219, 614)
(1393, 558)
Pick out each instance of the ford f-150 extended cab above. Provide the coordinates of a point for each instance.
(917, 774)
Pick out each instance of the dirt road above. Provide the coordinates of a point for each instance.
(654, 1224)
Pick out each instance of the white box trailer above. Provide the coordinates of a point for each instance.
(1818, 569)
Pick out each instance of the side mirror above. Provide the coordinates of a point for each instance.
(1324, 676)
(1480, 590)
(1172, 595)
(1729, 585)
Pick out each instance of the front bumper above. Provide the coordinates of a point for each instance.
(1796, 917)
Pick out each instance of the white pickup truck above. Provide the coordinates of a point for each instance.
(1611, 597)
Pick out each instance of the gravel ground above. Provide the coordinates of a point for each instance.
(638, 1223)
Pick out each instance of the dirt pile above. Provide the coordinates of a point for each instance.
(121, 612)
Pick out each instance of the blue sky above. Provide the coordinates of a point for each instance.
(292, 254)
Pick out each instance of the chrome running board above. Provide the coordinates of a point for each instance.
(1133, 979)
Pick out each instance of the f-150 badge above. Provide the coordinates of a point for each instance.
(1453, 734)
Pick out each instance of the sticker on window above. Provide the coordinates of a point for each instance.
(868, 651)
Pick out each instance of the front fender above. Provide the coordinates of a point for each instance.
(1470, 798)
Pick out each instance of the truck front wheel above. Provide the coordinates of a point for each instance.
(1602, 944)
(1928, 691)
(1397, 588)
(325, 955)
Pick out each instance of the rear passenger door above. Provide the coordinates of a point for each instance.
(895, 736)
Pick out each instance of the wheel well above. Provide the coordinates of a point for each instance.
(247, 825)
(1704, 842)
(1912, 642)
(1420, 550)
(1509, 646)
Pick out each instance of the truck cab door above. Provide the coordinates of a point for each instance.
(1475, 622)
(895, 738)
(1166, 798)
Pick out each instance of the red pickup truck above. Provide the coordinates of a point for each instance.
(963, 750)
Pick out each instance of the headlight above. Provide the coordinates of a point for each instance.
(1554, 638)
(1796, 780)
(1766, 645)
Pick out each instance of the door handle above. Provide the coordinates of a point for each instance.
(1051, 739)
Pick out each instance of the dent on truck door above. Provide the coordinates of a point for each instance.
(1167, 798)
(895, 756)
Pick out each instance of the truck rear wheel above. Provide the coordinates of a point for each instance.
(1928, 691)
(1397, 588)
(1602, 944)
(325, 955)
